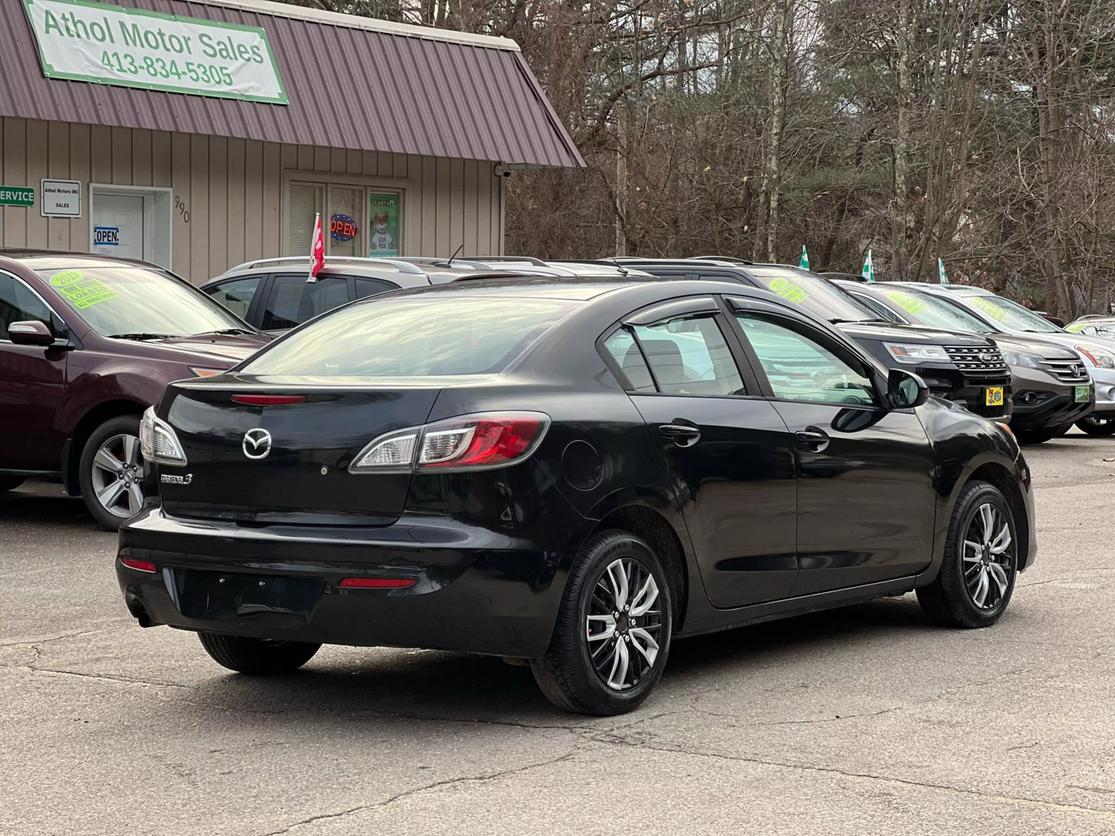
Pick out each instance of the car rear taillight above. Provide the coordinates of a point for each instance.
(470, 442)
(138, 565)
(158, 442)
(376, 583)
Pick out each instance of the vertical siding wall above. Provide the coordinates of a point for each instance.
(233, 190)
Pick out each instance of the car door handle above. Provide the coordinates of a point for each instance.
(813, 438)
(683, 435)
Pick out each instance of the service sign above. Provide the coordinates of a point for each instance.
(104, 44)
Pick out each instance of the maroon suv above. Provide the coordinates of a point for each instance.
(87, 343)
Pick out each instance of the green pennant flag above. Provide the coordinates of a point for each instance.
(803, 262)
(942, 276)
(868, 271)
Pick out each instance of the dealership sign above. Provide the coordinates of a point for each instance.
(16, 196)
(106, 44)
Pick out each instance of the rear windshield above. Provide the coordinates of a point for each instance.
(414, 337)
(813, 293)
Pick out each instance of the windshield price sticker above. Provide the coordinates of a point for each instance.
(789, 290)
(907, 301)
(80, 290)
(989, 308)
(101, 43)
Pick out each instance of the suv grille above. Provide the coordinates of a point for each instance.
(1066, 371)
(974, 358)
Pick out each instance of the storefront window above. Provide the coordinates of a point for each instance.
(304, 201)
(384, 234)
(357, 220)
(346, 224)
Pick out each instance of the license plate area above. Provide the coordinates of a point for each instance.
(1082, 394)
(993, 396)
(233, 596)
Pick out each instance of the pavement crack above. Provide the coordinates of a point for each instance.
(102, 677)
(48, 639)
(447, 782)
(1020, 801)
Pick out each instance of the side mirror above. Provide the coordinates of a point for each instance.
(906, 390)
(31, 332)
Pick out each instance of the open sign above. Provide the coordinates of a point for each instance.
(106, 236)
(342, 227)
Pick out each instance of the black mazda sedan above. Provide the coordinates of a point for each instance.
(574, 473)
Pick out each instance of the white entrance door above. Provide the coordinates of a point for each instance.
(118, 225)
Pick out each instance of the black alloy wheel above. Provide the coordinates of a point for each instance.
(977, 575)
(613, 630)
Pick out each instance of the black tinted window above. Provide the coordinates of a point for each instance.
(293, 300)
(372, 287)
(19, 304)
(236, 295)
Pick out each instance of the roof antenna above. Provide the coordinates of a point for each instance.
(620, 267)
(456, 253)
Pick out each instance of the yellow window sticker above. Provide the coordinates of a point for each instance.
(80, 290)
(907, 301)
(789, 290)
(988, 307)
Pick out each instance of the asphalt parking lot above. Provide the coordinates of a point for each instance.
(853, 721)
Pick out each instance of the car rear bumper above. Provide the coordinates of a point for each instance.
(474, 590)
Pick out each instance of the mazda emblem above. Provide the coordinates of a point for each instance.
(989, 358)
(256, 444)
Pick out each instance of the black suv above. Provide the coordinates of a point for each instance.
(964, 368)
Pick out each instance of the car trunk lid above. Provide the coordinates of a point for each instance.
(268, 453)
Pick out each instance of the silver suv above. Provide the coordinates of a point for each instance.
(273, 294)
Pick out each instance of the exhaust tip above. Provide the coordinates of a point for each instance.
(138, 611)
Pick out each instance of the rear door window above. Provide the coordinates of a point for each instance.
(293, 300)
(689, 355)
(236, 294)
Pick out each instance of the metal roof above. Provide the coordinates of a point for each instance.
(414, 90)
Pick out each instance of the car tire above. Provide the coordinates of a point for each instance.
(1097, 425)
(10, 483)
(977, 576)
(115, 443)
(257, 657)
(598, 663)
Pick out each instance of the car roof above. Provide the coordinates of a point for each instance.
(396, 270)
(52, 260)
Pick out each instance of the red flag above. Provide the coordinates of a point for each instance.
(317, 249)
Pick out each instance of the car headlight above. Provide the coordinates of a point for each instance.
(1022, 358)
(158, 442)
(917, 353)
(1097, 357)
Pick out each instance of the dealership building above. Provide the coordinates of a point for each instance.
(200, 134)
